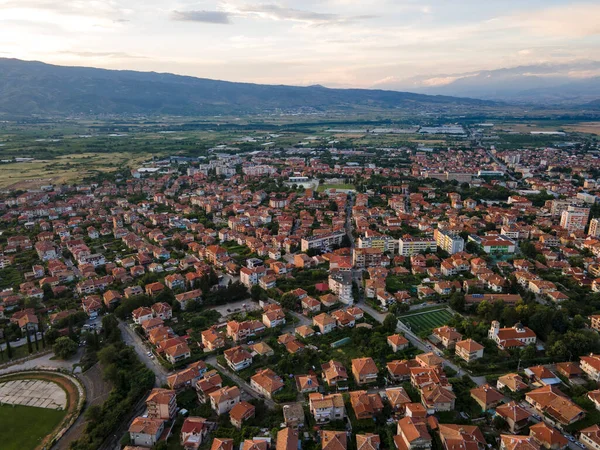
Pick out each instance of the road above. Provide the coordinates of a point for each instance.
(212, 360)
(131, 338)
(45, 361)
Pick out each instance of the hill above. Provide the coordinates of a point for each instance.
(35, 88)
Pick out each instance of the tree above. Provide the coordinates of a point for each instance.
(256, 292)
(457, 302)
(64, 347)
(390, 323)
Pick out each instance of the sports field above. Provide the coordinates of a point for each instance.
(24, 427)
(426, 321)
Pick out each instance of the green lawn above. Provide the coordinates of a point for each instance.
(426, 321)
(24, 427)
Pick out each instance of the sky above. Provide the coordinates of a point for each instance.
(336, 43)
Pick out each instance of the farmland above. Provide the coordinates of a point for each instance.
(426, 321)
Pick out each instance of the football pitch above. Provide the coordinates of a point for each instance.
(426, 321)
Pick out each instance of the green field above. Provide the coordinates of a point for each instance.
(24, 427)
(426, 321)
(324, 187)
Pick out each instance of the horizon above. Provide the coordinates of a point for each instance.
(333, 43)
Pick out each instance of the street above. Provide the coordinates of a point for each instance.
(131, 338)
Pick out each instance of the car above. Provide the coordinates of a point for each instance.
(537, 417)
(149, 354)
(570, 438)
(579, 444)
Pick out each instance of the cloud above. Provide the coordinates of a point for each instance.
(90, 54)
(281, 13)
(216, 17)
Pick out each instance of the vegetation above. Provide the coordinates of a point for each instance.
(23, 427)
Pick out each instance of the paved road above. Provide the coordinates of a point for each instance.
(212, 360)
(131, 338)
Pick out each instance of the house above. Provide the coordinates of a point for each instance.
(240, 413)
(324, 322)
(448, 336)
(154, 289)
(412, 434)
(242, 330)
(469, 350)
(145, 431)
(326, 408)
(212, 340)
(293, 415)
(237, 358)
(515, 416)
(364, 370)
(398, 398)
(161, 404)
(594, 397)
(188, 376)
(333, 440)
(399, 370)
(548, 437)
(514, 337)
(569, 369)
(274, 317)
(141, 314)
(307, 383)
(193, 432)
(177, 352)
(310, 305)
(397, 342)
(262, 349)
(267, 382)
(287, 439)
(210, 382)
(304, 331)
(185, 298)
(590, 437)
(542, 375)
(334, 373)
(224, 399)
(455, 437)
(551, 402)
(162, 310)
(511, 381)
(436, 397)
(591, 366)
(513, 442)
(368, 441)
(222, 444)
(365, 405)
(343, 318)
(486, 396)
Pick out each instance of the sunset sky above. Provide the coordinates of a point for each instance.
(331, 42)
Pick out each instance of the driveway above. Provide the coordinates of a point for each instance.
(131, 338)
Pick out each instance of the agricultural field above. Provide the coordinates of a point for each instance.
(24, 427)
(426, 321)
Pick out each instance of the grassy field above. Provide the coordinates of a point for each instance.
(427, 321)
(24, 427)
(64, 169)
(324, 187)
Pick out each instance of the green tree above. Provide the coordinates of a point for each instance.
(390, 323)
(64, 347)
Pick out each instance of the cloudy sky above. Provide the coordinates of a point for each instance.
(356, 43)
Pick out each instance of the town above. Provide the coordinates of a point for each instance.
(311, 296)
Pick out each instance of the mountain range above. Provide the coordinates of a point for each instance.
(575, 83)
(35, 88)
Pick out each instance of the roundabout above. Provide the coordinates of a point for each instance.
(37, 408)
